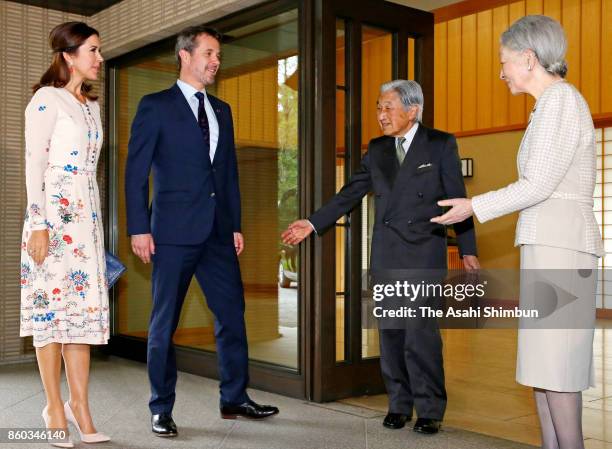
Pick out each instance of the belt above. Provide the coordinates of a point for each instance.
(572, 197)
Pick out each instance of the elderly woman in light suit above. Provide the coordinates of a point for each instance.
(556, 228)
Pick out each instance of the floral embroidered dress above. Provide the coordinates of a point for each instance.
(65, 299)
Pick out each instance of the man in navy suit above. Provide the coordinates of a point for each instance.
(186, 137)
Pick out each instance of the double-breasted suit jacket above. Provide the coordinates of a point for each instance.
(404, 238)
(405, 200)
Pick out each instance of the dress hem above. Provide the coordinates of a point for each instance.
(556, 388)
(63, 341)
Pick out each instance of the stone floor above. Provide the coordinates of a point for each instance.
(119, 393)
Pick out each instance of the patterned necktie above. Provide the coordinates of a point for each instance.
(203, 121)
(399, 150)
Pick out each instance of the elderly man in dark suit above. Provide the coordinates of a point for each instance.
(186, 137)
(409, 169)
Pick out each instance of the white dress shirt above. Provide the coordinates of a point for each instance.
(409, 136)
(189, 92)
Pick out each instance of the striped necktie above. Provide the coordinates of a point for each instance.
(399, 150)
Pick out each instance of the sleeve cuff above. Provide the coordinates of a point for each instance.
(38, 226)
(312, 226)
(480, 206)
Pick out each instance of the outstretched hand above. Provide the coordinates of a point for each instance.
(460, 211)
(296, 232)
(238, 242)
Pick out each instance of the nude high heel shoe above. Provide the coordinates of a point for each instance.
(85, 437)
(67, 443)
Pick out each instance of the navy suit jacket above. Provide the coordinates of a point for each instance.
(406, 199)
(190, 193)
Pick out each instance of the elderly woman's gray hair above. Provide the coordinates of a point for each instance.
(410, 94)
(542, 35)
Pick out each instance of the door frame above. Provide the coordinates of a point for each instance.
(333, 380)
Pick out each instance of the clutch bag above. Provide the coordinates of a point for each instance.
(114, 269)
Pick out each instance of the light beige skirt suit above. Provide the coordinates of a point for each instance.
(556, 230)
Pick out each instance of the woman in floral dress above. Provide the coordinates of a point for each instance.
(64, 297)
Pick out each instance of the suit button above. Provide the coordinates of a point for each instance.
(214, 170)
(387, 222)
(212, 195)
(409, 221)
(420, 194)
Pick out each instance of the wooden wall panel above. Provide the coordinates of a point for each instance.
(586, 24)
(531, 7)
(377, 59)
(440, 77)
(270, 89)
(606, 56)
(487, 72)
(501, 95)
(454, 75)
(411, 60)
(254, 125)
(468, 72)
(243, 119)
(516, 103)
(257, 98)
(591, 54)
(552, 8)
(571, 19)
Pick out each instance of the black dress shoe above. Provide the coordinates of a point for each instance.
(248, 409)
(395, 420)
(427, 426)
(163, 425)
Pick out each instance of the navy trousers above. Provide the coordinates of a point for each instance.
(216, 268)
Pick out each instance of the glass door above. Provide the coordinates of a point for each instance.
(260, 79)
(367, 50)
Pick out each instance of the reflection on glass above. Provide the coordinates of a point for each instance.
(376, 67)
(341, 230)
(259, 79)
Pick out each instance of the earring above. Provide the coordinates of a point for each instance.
(70, 68)
(529, 67)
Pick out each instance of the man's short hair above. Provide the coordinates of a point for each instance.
(409, 92)
(186, 39)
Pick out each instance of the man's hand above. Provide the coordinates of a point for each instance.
(238, 242)
(143, 246)
(461, 210)
(38, 246)
(296, 232)
(471, 264)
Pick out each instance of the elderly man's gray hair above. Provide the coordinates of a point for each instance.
(542, 35)
(410, 94)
